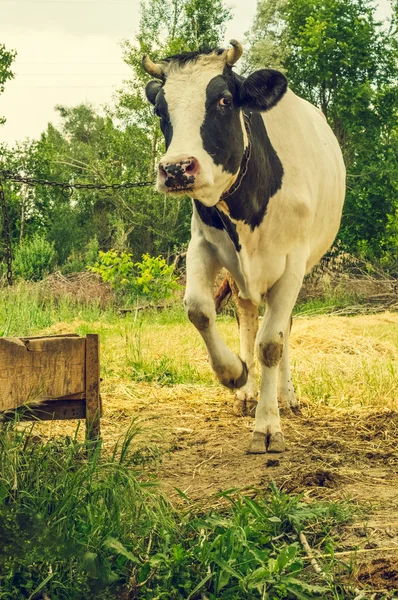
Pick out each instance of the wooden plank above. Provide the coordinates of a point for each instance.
(37, 369)
(93, 399)
(57, 410)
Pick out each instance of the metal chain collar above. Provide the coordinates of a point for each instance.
(245, 160)
(7, 233)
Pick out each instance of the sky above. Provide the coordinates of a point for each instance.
(69, 52)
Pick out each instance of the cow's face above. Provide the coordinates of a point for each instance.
(199, 103)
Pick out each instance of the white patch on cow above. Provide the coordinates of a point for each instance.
(185, 93)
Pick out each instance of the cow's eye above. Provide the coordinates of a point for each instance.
(224, 101)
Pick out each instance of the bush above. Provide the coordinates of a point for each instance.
(34, 259)
(79, 261)
(152, 278)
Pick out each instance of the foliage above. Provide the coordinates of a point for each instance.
(341, 59)
(34, 258)
(152, 278)
(155, 278)
(79, 261)
(88, 527)
(6, 59)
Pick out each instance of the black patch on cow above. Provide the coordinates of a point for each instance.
(152, 89)
(162, 111)
(230, 229)
(263, 178)
(186, 57)
(221, 130)
(262, 89)
(209, 215)
(213, 217)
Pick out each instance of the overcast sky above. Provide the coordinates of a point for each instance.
(69, 52)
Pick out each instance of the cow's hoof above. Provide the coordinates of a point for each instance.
(244, 407)
(234, 384)
(257, 444)
(240, 382)
(276, 443)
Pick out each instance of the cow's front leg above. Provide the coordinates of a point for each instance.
(202, 268)
(270, 346)
(246, 396)
(286, 394)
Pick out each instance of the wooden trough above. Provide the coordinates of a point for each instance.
(51, 378)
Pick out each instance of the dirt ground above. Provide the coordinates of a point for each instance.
(331, 455)
(344, 450)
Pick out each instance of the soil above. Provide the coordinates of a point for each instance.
(331, 455)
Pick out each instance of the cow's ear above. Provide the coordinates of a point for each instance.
(262, 89)
(151, 90)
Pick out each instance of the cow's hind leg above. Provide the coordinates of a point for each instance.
(246, 397)
(202, 268)
(270, 346)
(286, 394)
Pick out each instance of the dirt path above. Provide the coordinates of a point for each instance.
(343, 445)
(332, 455)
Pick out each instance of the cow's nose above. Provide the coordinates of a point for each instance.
(183, 167)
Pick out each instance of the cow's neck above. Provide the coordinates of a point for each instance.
(248, 202)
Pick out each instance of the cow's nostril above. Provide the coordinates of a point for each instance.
(162, 171)
(192, 166)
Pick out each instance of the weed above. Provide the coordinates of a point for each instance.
(75, 525)
(163, 370)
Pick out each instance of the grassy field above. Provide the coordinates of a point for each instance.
(219, 524)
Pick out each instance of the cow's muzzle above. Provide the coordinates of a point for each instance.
(178, 175)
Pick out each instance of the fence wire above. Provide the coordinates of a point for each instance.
(66, 188)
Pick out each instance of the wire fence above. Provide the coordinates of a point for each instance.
(67, 189)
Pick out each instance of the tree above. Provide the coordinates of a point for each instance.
(337, 56)
(267, 48)
(120, 145)
(6, 60)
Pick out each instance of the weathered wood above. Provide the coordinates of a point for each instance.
(43, 368)
(57, 410)
(92, 388)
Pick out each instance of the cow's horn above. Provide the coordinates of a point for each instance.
(152, 68)
(234, 53)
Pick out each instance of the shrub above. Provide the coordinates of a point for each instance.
(152, 278)
(34, 259)
(78, 261)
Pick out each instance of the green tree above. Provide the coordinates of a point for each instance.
(122, 144)
(337, 56)
(6, 59)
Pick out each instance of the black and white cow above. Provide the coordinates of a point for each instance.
(267, 180)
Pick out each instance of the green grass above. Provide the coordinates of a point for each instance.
(75, 525)
(329, 303)
(25, 309)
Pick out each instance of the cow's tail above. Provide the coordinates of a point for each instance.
(223, 294)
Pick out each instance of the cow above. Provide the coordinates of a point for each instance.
(267, 181)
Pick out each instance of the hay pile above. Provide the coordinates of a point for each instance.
(82, 288)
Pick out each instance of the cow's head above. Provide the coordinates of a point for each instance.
(199, 101)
